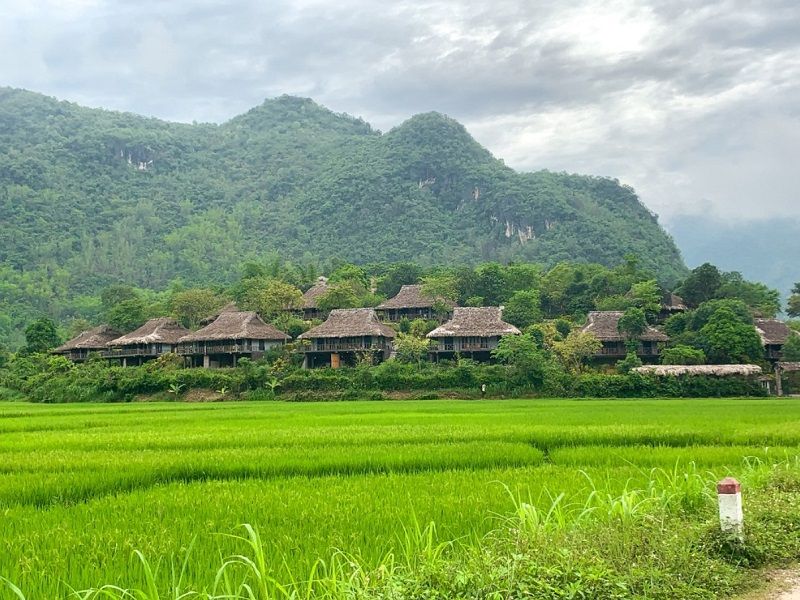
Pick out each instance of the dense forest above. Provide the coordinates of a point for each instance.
(91, 198)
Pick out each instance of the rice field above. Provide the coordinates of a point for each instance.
(83, 486)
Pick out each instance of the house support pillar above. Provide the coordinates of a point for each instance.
(305, 361)
(206, 361)
(778, 380)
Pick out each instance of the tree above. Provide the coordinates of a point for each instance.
(682, 355)
(701, 285)
(727, 340)
(410, 348)
(441, 286)
(575, 349)
(630, 362)
(114, 294)
(791, 349)
(272, 297)
(398, 275)
(341, 295)
(522, 352)
(347, 273)
(127, 315)
(191, 306)
(523, 308)
(633, 323)
(4, 356)
(647, 296)
(758, 297)
(793, 305)
(40, 336)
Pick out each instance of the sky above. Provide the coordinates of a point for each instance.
(695, 104)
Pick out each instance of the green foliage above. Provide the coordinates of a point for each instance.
(191, 307)
(523, 354)
(523, 308)
(411, 348)
(574, 350)
(646, 295)
(341, 295)
(701, 285)
(793, 304)
(791, 349)
(127, 315)
(631, 361)
(727, 340)
(40, 336)
(633, 323)
(681, 354)
(271, 297)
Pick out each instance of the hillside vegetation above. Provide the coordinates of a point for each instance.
(91, 197)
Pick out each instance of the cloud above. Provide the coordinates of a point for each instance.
(693, 103)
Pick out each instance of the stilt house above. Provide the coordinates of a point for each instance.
(604, 325)
(151, 340)
(309, 306)
(92, 341)
(347, 333)
(232, 335)
(472, 332)
(774, 335)
(411, 303)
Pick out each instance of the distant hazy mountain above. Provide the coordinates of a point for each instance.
(766, 251)
(108, 196)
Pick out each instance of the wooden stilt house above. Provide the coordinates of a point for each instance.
(346, 334)
(151, 340)
(773, 334)
(411, 303)
(472, 332)
(232, 335)
(309, 307)
(92, 341)
(604, 325)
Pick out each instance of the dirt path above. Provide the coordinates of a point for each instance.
(784, 585)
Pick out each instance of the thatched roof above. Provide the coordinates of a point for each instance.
(236, 326)
(715, 370)
(673, 303)
(475, 322)
(603, 324)
(772, 331)
(92, 339)
(163, 330)
(312, 293)
(350, 322)
(789, 366)
(411, 296)
(229, 307)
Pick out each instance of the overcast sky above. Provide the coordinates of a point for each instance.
(696, 104)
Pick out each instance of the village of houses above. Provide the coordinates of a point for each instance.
(345, 334)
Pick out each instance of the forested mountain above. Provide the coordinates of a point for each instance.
(91, 197)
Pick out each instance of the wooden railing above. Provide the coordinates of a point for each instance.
(320, 345)
(185, 349)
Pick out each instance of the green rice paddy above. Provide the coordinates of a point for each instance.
(83, 486)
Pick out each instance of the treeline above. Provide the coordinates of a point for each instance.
(550, 306)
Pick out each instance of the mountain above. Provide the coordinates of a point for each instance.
(113, 196)
(91, 197)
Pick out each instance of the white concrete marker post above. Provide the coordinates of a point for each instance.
(731, 517)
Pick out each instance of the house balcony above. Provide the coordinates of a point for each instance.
(338, 345)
